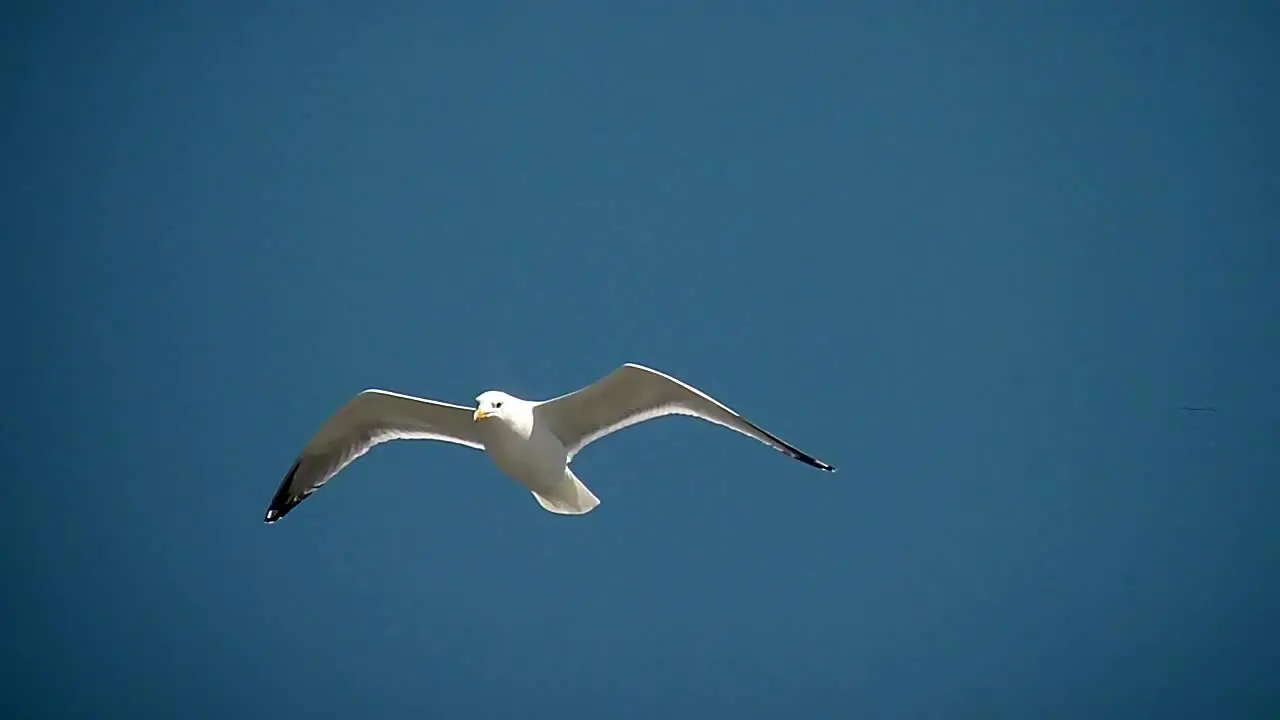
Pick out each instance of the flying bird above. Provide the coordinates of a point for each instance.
(533, 442)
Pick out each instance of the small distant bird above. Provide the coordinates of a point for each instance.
(533, 442)
(1199, 409)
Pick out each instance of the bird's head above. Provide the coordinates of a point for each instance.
(492, 404)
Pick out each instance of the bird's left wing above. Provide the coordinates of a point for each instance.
(370, 418)
(632, 394)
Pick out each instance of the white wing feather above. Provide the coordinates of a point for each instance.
(633, 394)
(369, 419)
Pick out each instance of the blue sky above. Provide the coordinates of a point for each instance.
(976, 255)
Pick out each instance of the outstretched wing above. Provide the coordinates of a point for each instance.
(632, 394)
(370, 418)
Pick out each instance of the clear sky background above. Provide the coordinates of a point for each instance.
(977, 255)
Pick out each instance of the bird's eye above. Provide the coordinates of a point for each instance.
(497, 404)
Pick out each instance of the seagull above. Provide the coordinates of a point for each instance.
(532, 442)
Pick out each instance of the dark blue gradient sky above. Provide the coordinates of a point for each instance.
(975, 254)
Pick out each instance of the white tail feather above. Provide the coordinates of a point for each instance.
(568, 498)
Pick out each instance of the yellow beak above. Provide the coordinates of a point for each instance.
(479, 415)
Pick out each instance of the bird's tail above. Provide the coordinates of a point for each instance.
(569, 497)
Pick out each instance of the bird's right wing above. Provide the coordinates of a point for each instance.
(370, 418)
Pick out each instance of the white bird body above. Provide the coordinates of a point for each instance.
(527, 450)
(532, 442)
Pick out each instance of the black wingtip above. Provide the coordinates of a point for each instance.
(820, 465)
(790, 450)
(283, 501)
(811, 461)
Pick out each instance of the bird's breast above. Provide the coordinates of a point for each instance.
(526, 457)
